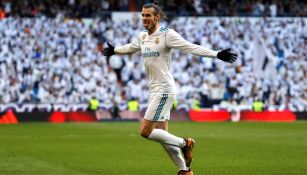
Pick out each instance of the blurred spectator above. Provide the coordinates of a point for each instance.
(93, 104)
(115, 111)
(2, 13)
(258, 105)
(258, 8)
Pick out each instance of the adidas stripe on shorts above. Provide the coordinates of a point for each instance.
(159, 106)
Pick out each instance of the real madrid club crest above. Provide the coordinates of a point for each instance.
(157, 41)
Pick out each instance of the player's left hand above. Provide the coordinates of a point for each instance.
(108, 51)
(227, 56)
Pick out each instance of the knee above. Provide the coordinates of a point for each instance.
(145, 133)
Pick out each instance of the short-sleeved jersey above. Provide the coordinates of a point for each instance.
(156, 50)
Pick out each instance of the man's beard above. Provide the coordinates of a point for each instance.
(151, 25)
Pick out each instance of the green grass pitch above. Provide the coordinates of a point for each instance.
(117, 149)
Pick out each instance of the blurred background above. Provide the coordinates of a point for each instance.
(52, 69)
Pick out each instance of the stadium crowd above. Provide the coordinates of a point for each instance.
(86, 8)
(57, 60)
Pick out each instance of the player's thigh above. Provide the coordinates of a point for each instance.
(159, 107)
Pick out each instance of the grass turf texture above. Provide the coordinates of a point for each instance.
(117, 149)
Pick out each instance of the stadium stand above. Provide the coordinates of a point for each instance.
(57, 60)
(85, 8)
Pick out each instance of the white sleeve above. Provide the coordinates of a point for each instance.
(128, 48)
(174, 40)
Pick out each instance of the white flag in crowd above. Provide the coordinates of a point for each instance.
(264, 63)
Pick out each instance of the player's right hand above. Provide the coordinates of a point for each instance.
(109, 51)
(227, 56)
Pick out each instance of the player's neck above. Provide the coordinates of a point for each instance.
(154, 29)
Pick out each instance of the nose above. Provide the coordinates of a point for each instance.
(145, 20)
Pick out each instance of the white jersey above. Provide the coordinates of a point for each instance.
(157, 51)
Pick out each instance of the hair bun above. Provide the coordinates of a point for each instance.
(155, 2)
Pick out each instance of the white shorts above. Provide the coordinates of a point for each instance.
(159, 106)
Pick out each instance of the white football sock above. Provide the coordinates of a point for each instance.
(162, 136)
(174, 153)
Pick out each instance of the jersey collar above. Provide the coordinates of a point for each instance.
(155, 32)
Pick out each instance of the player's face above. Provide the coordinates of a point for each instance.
(149, 19)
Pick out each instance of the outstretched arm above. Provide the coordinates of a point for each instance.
(125, 49)
(174, 40)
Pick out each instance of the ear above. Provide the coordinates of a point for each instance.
(157, 17)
